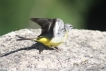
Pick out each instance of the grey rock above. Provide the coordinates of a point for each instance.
(84, 50)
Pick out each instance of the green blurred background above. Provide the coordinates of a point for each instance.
(15, 14)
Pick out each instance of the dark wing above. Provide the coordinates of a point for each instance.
(46, 24)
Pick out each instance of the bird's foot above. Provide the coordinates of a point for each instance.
(56, 49)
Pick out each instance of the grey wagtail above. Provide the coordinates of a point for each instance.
(54, 32)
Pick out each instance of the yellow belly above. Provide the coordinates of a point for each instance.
(48, 42)
(53, 42)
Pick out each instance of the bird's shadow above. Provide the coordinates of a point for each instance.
(38, 46)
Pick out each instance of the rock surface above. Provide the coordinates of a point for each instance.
(84, 50)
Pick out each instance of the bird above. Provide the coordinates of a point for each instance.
(53, 32)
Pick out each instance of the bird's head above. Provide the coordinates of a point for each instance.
(68, 27)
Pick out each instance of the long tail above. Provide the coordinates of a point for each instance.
(24, 38)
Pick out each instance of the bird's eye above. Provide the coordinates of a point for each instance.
(71, 26)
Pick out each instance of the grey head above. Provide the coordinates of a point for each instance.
(68, 27)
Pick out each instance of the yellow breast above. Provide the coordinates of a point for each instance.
(43, 40)
(53, 42)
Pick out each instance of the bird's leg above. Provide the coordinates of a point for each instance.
(56, 48)
(51, 46)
